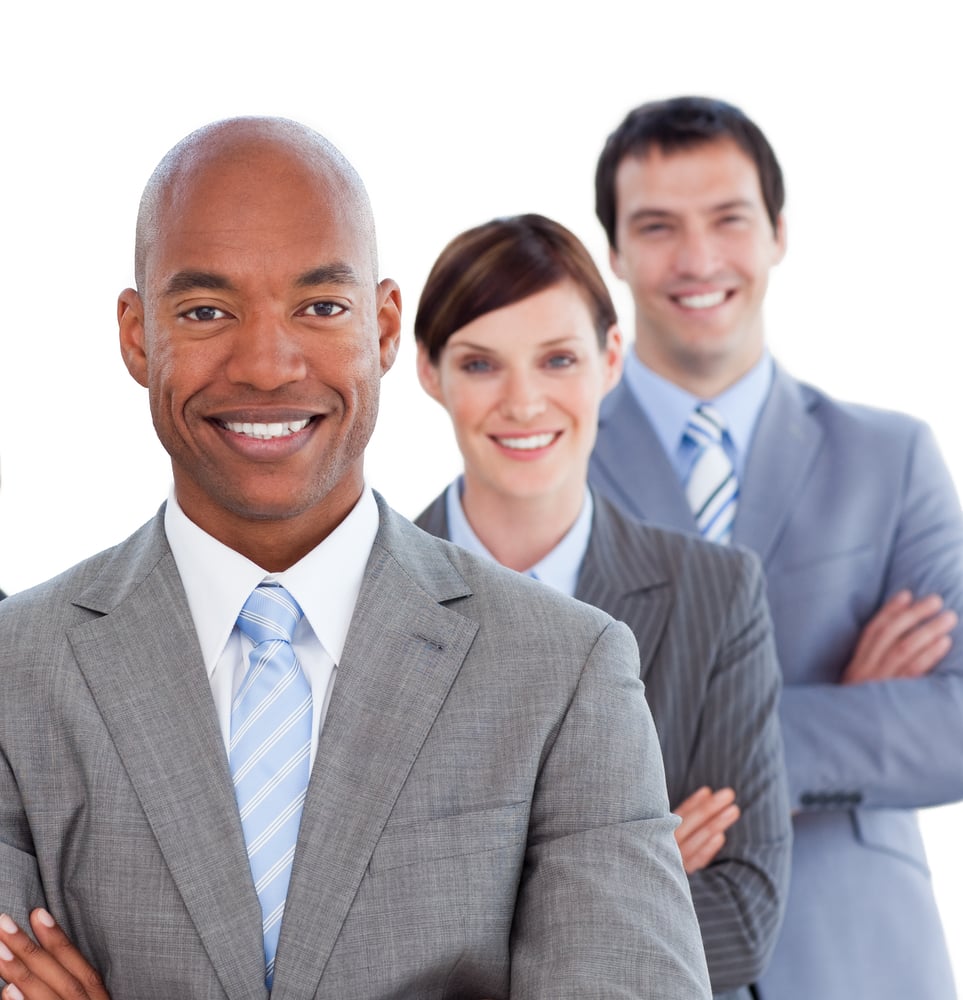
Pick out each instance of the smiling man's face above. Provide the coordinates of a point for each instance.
(262, 335)
(695, 246)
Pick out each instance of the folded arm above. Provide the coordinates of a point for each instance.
(889, 734)
(740, 894)
(603, 908)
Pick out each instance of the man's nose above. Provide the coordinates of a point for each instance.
(266, 354)
(697, 255)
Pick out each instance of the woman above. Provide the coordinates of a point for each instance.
(517, 340)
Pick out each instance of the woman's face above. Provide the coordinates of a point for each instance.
(522, 386)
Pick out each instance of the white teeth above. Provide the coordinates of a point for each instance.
(527, 443)
(706, 301)
(265, 432)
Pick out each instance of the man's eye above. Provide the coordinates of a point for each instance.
(204, 314)
(324, 309)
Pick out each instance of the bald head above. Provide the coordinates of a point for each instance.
(272, 151)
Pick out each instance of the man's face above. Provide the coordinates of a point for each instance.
(695, 245)
(262, 336)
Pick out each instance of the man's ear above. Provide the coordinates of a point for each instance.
(130, 321)
(781, 239)
(389, 322)
(428, 374)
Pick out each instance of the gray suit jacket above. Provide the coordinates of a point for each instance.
(712, 682)
(475, 825)
(845, 505)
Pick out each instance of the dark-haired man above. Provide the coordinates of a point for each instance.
(852, 512)
(280, 739)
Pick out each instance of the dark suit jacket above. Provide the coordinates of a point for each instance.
(712, 682)
(845, 505)
(486, 815)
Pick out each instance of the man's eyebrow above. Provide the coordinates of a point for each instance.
(649, 213)
(727, 206)
(329, 274)
(187, 281)
(665, 213)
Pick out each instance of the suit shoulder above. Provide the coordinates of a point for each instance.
(634, 540)
(480, 586)
(859, 419)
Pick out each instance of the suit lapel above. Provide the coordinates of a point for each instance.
(143, 665)
(787, 440)
(403, 652)
(624, 574)
(629, 464)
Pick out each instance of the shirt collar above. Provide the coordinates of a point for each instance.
(559, 568)
(326, 582)
(668, 405)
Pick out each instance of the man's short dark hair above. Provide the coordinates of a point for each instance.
(682, 123)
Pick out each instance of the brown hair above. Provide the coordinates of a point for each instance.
(683, 123)
(500, 263)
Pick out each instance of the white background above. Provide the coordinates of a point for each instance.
(454, 113)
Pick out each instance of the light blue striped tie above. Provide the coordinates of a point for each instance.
(270, 751)
(712, 488)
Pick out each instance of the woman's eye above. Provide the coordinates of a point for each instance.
(475, 365)
(561, 361)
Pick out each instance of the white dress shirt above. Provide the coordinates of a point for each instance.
(326, 583)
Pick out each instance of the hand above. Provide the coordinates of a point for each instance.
(50, 968)
(905, 638)
(706, 815)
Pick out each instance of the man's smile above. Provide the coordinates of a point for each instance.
(265, 432)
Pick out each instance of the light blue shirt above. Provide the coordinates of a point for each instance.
(668, 407)
(559, 569)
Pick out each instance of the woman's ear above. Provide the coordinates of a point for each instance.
(612, 358)
(428, 374)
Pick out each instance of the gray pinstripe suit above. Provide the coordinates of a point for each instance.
(712, 682)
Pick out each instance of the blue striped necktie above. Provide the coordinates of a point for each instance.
(712, 488)
(270, 751)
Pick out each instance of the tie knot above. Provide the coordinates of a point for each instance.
(270, 613)
(706, 425)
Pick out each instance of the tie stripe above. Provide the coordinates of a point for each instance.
(270, 751)
(712, 488)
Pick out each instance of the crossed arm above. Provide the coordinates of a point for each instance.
(886, 734)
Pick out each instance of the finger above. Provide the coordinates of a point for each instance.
(687, 806)
(696, 813)
(896, 618)
(694, 859)
(52, 938)
(880, 653)
(919, 641)
(914, 652)
(695, 833)
(31, 974)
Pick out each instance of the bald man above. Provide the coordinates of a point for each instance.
(279, 740)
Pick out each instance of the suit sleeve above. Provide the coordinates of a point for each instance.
(897, 743)
(20, 886)
(603, 907)
(739, 897)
